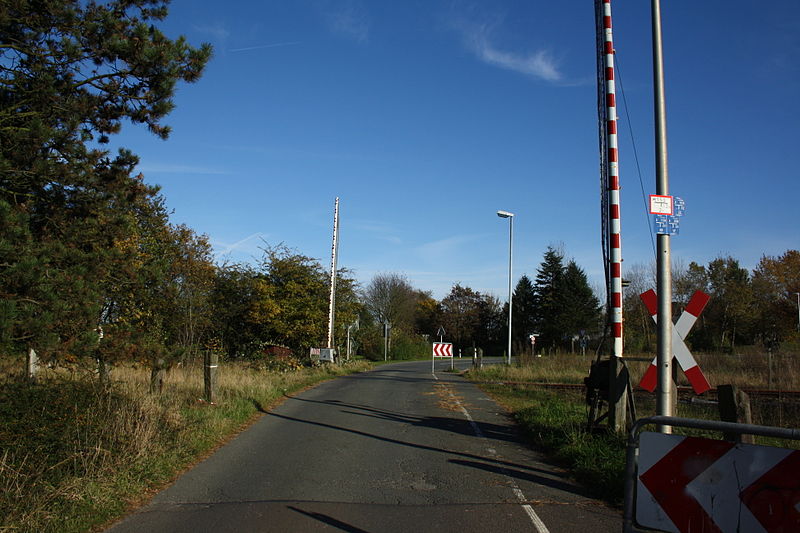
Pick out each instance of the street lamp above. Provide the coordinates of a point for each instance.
(510, 217)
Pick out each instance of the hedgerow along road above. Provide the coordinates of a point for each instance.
(398, 449)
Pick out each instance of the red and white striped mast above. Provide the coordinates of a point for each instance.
(612, 165)
(610, 211)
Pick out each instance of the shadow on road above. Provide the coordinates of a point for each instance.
(338, 524)
(455, 425)
(525, 476)
(501, 464)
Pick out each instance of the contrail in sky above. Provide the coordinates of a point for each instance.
(275, 45)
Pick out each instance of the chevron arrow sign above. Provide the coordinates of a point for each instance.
(690, 484)
(443, 349)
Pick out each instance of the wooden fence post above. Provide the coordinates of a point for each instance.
(157, 376)
(734, 406)
(210, 375)
(617, 394)
(104, 372)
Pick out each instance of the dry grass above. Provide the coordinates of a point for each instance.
(749, 370)
(73, 455)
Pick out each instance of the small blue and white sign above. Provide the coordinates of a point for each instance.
(679, 207)
(666, 224)
(670, 224)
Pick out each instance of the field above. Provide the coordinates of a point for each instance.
(75, 456)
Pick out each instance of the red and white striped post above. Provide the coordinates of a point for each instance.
(613, 181)
(617, 416)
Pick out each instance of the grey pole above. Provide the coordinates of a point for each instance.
(665, 392)
(798, 310)
(510, 217)
(385, 341)
(348, 341)
(510, 294)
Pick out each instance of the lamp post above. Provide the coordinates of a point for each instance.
(510, 217)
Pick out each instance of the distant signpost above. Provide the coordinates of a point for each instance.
(442, 349)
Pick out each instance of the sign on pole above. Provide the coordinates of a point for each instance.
(661, 205)
(443, 349)
(667, 214)
(690, 484)
(680, 351)
(327, 354)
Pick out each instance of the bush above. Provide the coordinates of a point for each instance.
(405, 347)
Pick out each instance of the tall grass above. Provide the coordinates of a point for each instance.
(750, 369)
(74, 455)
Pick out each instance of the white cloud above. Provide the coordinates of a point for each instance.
(261, 47)
(249, 246)
(349, 20)
(448, 249)
(217, 31)
(179, 169)
(378, 229)
(539, 64)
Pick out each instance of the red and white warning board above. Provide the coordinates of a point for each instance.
(443, 349)
(689, 484)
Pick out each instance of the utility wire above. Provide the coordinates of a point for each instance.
(635, 153)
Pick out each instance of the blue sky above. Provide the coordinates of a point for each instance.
(426, 117)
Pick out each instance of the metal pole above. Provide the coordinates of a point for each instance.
(348, 341)
(798, 310)
(335, 248)
(510, 294)
(665, 392)
(510, 217)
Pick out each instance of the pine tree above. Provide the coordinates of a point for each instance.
(71, 73)
(524, 311)
(579, 307)
(547, 306)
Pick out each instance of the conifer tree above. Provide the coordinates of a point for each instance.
(70, 73)
(524, 315)
(580, 308)
(547, 305)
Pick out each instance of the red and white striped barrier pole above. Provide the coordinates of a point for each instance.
(613, 185)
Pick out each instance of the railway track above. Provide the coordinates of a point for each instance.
(683, 391)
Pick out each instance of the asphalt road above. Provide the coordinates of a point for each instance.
(394, 449)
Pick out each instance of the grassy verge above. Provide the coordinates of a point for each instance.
(555, 422)
(74, 456)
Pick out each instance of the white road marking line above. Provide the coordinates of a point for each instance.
(537, 522)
